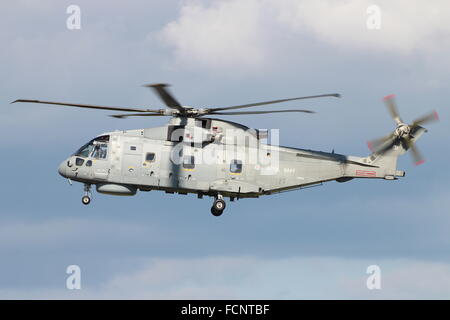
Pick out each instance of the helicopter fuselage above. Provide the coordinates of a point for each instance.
(208, 157)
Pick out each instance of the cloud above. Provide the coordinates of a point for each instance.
(227, 33)
(343, 24)
(238, 277)
(246, 34)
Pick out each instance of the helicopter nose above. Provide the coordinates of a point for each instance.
(62, 169)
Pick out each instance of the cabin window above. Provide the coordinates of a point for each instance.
(203, 123)
(89, 163)
(236, 166)
(133, 148)
(188, 162)
(150, 157)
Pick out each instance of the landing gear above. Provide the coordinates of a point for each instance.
(86, 199)
(218, 206)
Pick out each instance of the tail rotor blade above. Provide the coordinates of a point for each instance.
(378, 144)
(415, 153)
(430, 117)
(392, 108)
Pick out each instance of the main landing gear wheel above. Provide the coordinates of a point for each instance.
(218, 207)
(86, 200)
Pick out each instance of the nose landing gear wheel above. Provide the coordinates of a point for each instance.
(86, 200)
(87, 192)
(216, 213)
(218, 207)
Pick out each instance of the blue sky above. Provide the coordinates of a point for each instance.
(315, 243)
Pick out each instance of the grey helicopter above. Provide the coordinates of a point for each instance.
(195, 154)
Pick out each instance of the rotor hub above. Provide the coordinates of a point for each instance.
(403, 130)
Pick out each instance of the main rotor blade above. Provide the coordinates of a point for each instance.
(337, 95)
(392, 108)
(430, 117)
(89, 106)
(121, 116)
(260, 112)
(165, 95)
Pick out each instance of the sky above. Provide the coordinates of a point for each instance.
(310, 244)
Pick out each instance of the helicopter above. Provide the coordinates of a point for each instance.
(196, 154)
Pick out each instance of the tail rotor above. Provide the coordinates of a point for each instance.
(404, 134)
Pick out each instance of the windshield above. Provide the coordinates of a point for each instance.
(96, 148)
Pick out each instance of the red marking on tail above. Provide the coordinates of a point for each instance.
(369, 144)
(366, 173)
(436, 116)
(391, 96)
(419, 162)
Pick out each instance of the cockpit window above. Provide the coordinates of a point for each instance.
(79, 162)
(96, 148)
(102, 139)
(85, 150)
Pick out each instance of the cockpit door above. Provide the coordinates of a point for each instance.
(99, 161)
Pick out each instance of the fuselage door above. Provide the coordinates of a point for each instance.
(132, 161)
(151, 161)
